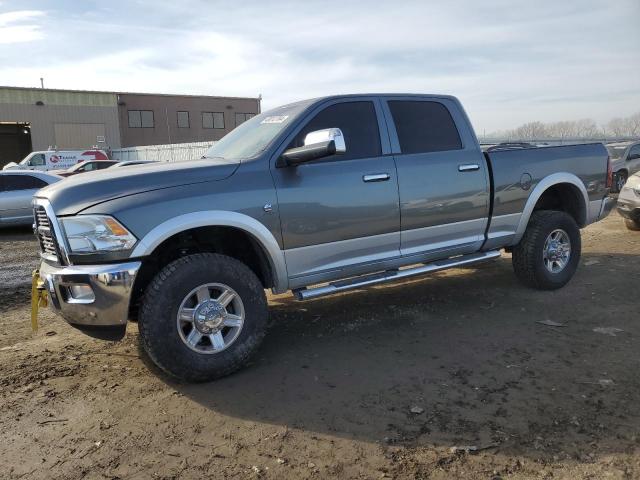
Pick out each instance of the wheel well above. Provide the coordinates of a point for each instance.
(564, 197)
(229, 241)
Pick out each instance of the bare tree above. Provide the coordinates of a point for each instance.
(634, 125)
(586, 128)
(617, 127)
(531, 131)
(561, 130)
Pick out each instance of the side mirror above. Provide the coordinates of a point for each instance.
(317, 144)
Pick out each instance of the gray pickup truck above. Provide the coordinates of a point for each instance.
(317, 197)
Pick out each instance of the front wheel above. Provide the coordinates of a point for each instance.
(548, 253)
(202, 317)
(632, 224)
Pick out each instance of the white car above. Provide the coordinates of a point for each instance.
(629, 203)
(128, 163)
(17, 188)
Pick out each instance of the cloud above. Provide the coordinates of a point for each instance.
(509, 62)
(18, 26)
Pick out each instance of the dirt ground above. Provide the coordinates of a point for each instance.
(377, 383)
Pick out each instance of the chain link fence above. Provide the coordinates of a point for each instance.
(175, 152)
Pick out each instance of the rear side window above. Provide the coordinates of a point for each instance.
(22, 182)
(358, 123)
(102, 165)
(424, 127)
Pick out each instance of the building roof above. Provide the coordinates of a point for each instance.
(60, 90)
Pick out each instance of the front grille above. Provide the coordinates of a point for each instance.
(45, 233)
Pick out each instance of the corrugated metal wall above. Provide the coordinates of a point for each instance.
(61, 108)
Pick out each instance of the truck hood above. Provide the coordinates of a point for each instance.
(84, 190)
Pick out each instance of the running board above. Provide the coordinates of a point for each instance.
(392, 275)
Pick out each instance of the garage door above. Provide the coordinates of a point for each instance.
(71, 136)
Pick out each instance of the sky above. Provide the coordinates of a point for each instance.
(509, 62)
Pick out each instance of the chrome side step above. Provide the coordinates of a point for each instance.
(392, 275)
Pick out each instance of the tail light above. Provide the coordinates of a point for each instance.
(609, 173)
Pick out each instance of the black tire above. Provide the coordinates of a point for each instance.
(528, 258)
(619, 181)
(158, 316)
(632, 224)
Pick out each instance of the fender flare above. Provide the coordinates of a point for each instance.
(220, 218)
(540, 188)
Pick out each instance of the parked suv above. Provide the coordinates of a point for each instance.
(625, 161)
(317, 197)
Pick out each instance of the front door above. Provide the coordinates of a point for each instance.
(340, 212)
(443, 178)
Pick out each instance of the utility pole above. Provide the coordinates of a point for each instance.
(41, 82)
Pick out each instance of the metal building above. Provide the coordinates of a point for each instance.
(38, 118)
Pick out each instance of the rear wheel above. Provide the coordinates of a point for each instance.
(621, 179)
(203, 316)
(548, 254)
(632, 224)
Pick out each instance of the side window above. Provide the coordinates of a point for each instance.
(243, 117)
(140, 118)
(424, 127)
(212, 120)
(89, 166)
(634, 153)
(103, 165)
(358, 123)
(183, 119)
(22, 182)
(37, 160)
(134, 119)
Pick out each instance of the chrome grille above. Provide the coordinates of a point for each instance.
(45, 234)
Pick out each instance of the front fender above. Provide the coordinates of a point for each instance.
(219, 218)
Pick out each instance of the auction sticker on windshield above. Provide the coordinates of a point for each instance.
(275, 119)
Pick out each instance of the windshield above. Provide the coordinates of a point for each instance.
(76, 167)
(616, 152)
(25, 160)
(254, 136)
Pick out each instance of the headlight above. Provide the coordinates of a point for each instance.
(96, 233)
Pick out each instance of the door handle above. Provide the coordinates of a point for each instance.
(376, 177)
(469, 167)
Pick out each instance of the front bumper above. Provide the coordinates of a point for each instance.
(91, 295)
(629, 210)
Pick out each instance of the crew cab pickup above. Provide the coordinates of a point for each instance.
(317, 197)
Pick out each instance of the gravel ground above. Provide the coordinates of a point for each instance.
(451, 376)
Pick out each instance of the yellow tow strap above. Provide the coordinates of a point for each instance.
(38, 298)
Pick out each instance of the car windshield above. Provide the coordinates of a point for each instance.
(616, 152)
(255, 135)
(25, 160)
(77, 166)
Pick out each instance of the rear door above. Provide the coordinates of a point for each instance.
(340, 212)
(442, 176)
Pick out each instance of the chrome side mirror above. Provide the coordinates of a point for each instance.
(317, 144)
(326, 135)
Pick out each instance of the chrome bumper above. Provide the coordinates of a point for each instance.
(91, 295)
